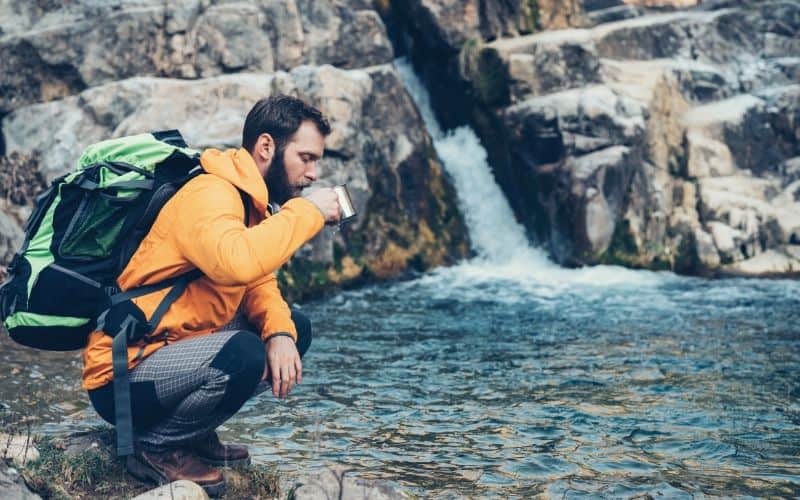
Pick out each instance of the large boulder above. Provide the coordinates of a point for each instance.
(49, 51)
(378, 146)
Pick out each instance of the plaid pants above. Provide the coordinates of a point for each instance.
(186, 389)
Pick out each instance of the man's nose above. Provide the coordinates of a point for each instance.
(311, 171)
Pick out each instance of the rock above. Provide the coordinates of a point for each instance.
(11, 237)
(378, 146)
(706, 251)
(738, 134)
(616, 13)
(13, 486)
(19, 449)
(86, 43)
(773, 262)
(176, 490)
(567, 141)
(704, 93)
(342, 483)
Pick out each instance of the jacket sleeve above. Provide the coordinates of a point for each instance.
(266, 309)
(209, 232)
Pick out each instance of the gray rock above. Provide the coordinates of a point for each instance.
(774, 262)
(11, 237)
(87, 43)
(340, 482)
(13, 486)
(176, 490)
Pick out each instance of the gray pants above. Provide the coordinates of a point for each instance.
(186, 389)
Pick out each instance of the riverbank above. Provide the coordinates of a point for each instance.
(84, 465)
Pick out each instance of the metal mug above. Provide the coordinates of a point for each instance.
(346, 207)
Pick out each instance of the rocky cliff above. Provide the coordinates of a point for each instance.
(76, 72)
(650, 133)
(658, 134)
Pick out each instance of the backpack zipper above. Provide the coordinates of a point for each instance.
(76, 275)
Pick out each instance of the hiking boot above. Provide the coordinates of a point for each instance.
(212, 451)
(163, 468)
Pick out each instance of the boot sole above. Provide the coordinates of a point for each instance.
(144, 472)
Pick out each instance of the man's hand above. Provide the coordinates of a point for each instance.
(327, 201)
(283, 364)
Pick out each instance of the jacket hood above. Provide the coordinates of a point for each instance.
(238, 167)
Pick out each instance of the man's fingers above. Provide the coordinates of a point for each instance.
(286, 380)
(298, 366)
(276, 381)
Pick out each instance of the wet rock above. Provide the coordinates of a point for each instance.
(176, 490)
(339, 482)
(378, 146)
(572, 143)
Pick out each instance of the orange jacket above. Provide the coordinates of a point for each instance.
(202, 226)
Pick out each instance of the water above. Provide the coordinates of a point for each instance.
(509, 376)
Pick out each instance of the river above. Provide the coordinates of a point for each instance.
(509, 376)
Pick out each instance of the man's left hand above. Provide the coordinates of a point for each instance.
(283, 363)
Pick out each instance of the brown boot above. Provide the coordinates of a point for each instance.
(211, 450)
(173, 465)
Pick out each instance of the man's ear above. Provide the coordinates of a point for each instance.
(264, 150)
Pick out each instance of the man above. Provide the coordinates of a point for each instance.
(198, 368)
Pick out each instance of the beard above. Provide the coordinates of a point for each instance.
(278, 186)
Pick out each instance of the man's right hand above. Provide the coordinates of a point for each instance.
(327, 201)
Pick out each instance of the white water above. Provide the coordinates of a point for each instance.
(503, 250)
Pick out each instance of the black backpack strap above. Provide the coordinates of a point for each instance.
(172, 137)
(246, 203)
(128, 326)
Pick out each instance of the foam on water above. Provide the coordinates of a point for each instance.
(503, 251)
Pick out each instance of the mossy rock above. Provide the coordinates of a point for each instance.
(486, 71)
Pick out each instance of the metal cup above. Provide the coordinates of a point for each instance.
(346, 207)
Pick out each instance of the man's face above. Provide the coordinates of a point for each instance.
(296, 168)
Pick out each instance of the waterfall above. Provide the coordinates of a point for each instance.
(502, 248)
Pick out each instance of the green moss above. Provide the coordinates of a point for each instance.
(486, 71)
(530, 11)
(686, 259)
(624, 251)
(493, 79)
(302, 278)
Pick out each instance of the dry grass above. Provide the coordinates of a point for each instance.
(84, 465)
(20, 178)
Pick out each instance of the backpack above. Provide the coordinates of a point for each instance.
(83, 231)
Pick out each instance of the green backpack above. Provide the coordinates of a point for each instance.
(83, 231)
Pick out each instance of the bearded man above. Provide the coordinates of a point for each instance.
(230, 334)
